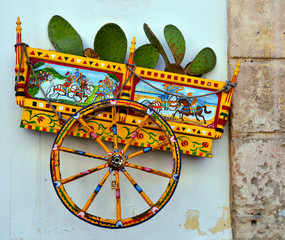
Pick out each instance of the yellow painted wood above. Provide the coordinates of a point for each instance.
(142, 193)
(86, 154)
(152, 171)
(114, 123)
(21, 68)
(48, 122)
(128, 79)
(82, 174)
(94, 194)
(156, 146)
(118, 197)
(97, 139)
(193, 139)
(138, 129)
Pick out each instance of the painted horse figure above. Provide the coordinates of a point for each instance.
(59, 90)
(84, 92)
(187, 110)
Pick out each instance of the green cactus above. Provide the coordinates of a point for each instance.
(64, 37)
(111, 43)
(176, 42)
(153, 39)
(204, 62)
(146, 56)
(175, 68)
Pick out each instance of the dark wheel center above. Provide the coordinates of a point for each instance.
(117, 160)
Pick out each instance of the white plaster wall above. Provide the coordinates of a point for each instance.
(30, 207)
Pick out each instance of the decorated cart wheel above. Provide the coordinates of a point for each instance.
(120, 182)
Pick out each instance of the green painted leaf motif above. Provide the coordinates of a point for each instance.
(111, 43)
(204, 62)
(176, 42)
(37, 65)
(64, 37)
(153, 39)
(146, 56)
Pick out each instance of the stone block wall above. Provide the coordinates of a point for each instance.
(256, 36)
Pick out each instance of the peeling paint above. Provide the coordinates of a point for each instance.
(282, 213)
(192, 221)
(223, 223)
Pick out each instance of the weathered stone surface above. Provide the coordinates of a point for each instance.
(257, 37)
(256, 28)
(259, 99)
(258, 184)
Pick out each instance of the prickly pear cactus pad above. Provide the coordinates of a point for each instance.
(153, 39)
(111, 43)
(174, 68)
(146, 56)
(204, 62)
(64, 37)
(176, 42)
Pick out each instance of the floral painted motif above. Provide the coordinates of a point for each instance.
(44, 118)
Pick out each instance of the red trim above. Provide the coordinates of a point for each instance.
(16, 69)
(226, 107)
(21, 85)
(127, 87)
(222, 121)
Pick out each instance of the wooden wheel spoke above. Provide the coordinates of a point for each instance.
(138, 188)
(82, 153)
(95, 193)
(135, 133)
(83, 174)
(118, 197)
(94, 136)
(148, 149)
(150, 170)
(114, 128)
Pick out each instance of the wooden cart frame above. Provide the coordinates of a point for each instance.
(122, 104)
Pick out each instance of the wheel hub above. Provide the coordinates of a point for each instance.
(117, 160)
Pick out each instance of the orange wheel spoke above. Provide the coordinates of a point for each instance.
(118, 197)
(149, 170)
(148, 149)
(95, 193)
(82, 174)
(94, 136)
(135, 133)
(82, 153)
(114, 128)
(138, 188)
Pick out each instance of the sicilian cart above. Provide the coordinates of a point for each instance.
(128, 113)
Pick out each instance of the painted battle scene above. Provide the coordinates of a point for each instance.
(199, 111)
(72, 85)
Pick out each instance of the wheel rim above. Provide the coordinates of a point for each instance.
(118, 163)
